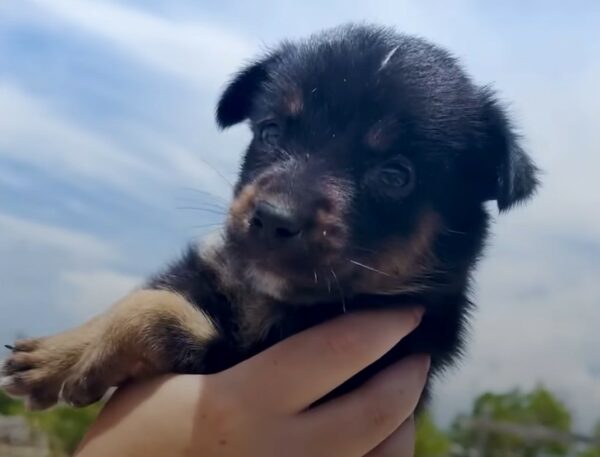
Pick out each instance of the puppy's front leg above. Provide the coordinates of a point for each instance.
(133, 339)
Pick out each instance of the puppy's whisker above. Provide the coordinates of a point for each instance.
(203, 233)
(339, 287)
(205, 204)
(217, 206)
(207, 225)
(367, 267)
(209, 194)
(207, 210)
(360, 248)
(454, 232)
(406, 289)
(213, 168)
(316, 277)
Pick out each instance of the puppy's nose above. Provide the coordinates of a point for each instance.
(274, 222)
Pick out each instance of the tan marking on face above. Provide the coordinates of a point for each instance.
(330, 232)
(241, 208)
(293, 102)
(401, 263)
(381, 135)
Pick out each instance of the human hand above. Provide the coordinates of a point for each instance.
(259, 407)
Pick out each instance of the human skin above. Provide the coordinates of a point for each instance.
(260, 407)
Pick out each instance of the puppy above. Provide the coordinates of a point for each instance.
(364, 185)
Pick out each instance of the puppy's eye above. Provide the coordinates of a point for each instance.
(395, 178)
(398, 177)
(270, 133)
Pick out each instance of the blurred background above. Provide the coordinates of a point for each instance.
(107, 143)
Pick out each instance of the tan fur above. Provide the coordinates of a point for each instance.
(293, 102)
(241, 207)
(400, 264)
(256, 317)
(329, 232)
(381, 135)
(82, 364)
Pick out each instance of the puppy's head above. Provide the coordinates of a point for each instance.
(367, 147)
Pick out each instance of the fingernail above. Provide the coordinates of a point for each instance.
(418, 313)
(426, 363)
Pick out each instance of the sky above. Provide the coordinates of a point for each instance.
(107, 135)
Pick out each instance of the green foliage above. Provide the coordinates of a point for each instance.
(430, 440)
(538, 407)
(9, 406)
(592, 451)
(63, 426)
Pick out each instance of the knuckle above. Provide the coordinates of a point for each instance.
(379, 412)
(345, 343)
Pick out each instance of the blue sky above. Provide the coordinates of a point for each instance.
(106, 129)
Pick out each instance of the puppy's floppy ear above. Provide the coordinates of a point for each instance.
(236, 101)
(512, 176)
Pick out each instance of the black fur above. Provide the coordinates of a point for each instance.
(455, 136)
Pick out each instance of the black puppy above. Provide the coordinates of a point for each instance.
(364, 186)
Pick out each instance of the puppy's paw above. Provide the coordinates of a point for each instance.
(35, 372)
(86, 383)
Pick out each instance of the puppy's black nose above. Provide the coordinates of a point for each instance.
(275, 222)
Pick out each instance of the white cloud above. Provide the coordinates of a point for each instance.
(207, 165)
(15, 231)
(34, 134)
(33, 257)
(199, 52)
(37, 135)
(87, 293)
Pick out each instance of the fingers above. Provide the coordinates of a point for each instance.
(401, 443)
(356, 423)
(298, 371)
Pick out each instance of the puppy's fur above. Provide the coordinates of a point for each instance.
(363, 186)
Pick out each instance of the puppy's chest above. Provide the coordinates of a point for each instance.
(251, 327)
(256, 319)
